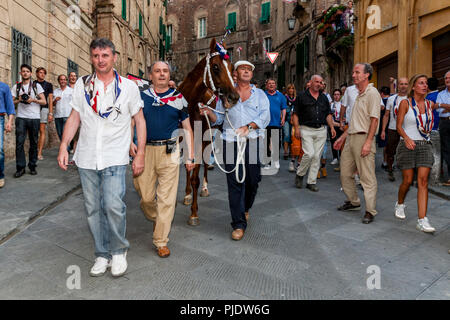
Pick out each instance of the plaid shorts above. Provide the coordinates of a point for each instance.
(421, 156)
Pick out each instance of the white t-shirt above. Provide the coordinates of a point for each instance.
(63, 107)
(106, 142)
(391, 108)
(336, 109)
(348, 101)
(32, 110)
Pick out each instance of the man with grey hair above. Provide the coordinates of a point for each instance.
(104, 104)
(359, 150)
(443, 102)
(312, 113)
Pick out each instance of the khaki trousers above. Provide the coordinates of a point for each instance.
(351, 161)
(313, 142)
(157, 186)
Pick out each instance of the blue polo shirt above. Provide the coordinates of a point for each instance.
(6, 100)
(161, 121)
(432, 96)
(277, 103)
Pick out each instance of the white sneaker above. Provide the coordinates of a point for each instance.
(400, 211)
(119, 265)
(291, 166)
(335, 161)
(100, 266)
(2, 183)
(424, 225)
(277, 164)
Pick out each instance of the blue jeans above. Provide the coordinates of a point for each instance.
(287, 128)
(2, 152)
(103, 192)
(59, 123)
(26, 126)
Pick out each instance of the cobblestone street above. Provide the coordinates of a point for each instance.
(297, 245)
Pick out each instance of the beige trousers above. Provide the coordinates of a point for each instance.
(313, 142)
(157, 186)
(351, 161)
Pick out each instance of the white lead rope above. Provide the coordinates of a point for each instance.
(241, 145)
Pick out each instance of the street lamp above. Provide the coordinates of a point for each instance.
(291, 23)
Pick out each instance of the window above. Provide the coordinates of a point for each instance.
(140, 25)
(21, 53)
(268, 44)
(302, 56)
(124, 9)
(169, 36)
(201, 56)
(265, 13)
(230, 52)
(162, 50)
(72, 67)
(201, 28)
(232, 21)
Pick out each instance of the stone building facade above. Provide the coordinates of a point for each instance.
(403, 38)
(47, 34)
(194, 23)
(303, 52)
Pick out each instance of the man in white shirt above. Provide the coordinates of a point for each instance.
(104, 104)
(443, 102)
(347, 103)
(29, 96)
(63, 97)
(393, 138)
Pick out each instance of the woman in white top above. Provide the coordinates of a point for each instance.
(414, 125)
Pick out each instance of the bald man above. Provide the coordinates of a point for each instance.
(390, 117)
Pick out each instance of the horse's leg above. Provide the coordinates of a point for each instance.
(195, 182)
(205, 192)
(188, 195)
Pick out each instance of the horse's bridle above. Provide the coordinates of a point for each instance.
(207, 73)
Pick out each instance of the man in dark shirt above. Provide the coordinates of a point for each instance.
(164, 109)
(46, 110)
(7, 114)
(312, 113)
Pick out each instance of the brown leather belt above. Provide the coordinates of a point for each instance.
(361, 133)
(2, 114)
(445, 118)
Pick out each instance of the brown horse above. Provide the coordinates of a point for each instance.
(211, 77)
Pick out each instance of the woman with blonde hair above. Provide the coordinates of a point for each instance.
(414, 124)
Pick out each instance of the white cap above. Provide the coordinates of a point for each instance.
(243, 62)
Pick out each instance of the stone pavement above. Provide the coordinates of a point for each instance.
(297, 246)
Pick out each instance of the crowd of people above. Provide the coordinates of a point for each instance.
(102, 109)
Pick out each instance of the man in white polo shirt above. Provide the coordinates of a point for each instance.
(63, 97)
(104, 104)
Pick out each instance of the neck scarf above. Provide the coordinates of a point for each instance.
(92, 99)
(424, 127)
(173, 99)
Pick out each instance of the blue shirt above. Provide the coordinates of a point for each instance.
(255, 109)
(277, 103)
(6, 100)
(432, 96)
(161, 121)
(443, 97)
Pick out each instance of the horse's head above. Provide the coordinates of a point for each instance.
(218, 74)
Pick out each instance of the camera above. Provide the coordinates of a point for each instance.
(25, 97)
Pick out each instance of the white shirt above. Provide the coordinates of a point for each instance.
(63, 107)
(336, 109)
(391, 107)
(32, 110)
(443, 97)
(348, 101)
(410, 125)
(106, 142)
